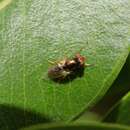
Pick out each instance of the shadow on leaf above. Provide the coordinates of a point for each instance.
(12, 118)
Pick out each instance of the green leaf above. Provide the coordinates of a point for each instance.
(88, 116)
(124, 110)
(35, 31)
(4, 3)
(120, 114)
(79, 126)
(119, 88)
(1, 1)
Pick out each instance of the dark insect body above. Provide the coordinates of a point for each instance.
(68, 69)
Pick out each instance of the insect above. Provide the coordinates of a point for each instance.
(68, 69)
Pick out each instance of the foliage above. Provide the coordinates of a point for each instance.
(33, 32)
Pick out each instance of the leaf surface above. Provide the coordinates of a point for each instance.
(80, 126)
(118, 89)
(35, 31)
(120, 113)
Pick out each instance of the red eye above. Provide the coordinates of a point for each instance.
(81, 58)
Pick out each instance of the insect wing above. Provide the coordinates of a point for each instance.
(55, 72)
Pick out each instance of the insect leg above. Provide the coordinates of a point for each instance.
(88, 65)
(52, 62)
